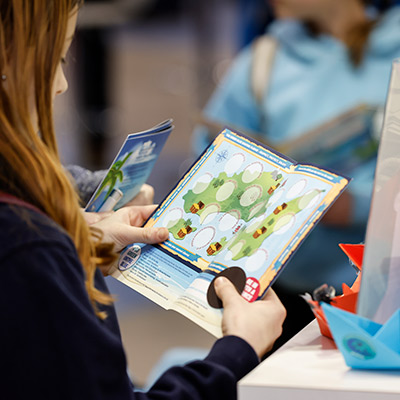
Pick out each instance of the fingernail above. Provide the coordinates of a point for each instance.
(219, 281)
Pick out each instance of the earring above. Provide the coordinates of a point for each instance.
(3, 77)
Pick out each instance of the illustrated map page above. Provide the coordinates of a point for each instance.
(237, 207)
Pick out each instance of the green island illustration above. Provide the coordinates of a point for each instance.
(182, 228)
(245, 195)
(215, 247)
(238, 192)
(250, 238)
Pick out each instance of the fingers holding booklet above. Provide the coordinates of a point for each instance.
(259, 323)
(240, 205)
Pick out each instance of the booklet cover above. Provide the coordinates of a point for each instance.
(130, 168)
(241, 210)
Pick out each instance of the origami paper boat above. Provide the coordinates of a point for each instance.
(348, 300)
(363, 343)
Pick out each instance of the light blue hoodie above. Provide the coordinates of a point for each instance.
(312, 80)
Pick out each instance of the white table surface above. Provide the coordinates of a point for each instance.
(309, 367)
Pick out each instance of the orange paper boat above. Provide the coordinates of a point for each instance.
(348, 300)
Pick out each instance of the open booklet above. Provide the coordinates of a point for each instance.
(130, 168)
(241, 210)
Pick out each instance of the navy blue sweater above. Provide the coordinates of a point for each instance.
(52, 345)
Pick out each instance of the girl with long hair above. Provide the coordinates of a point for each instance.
(60, 337)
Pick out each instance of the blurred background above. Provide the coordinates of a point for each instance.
(134, 63)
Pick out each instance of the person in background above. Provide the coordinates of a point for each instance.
(60, 335)
(325, 57)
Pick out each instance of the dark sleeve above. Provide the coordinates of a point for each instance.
(85, 181)
(59, 349)
(56, 347)
(215, 377)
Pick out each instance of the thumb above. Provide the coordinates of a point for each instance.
(149, 235)
(152, 235)
(270, 295)
(226, 291)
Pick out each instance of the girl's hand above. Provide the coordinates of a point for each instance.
(123, 227)
(259, 323)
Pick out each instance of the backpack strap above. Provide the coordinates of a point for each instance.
(10, 199)
(264, 49)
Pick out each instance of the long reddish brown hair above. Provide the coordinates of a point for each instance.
(32, 37)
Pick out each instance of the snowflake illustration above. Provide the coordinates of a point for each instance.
(221, 156)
